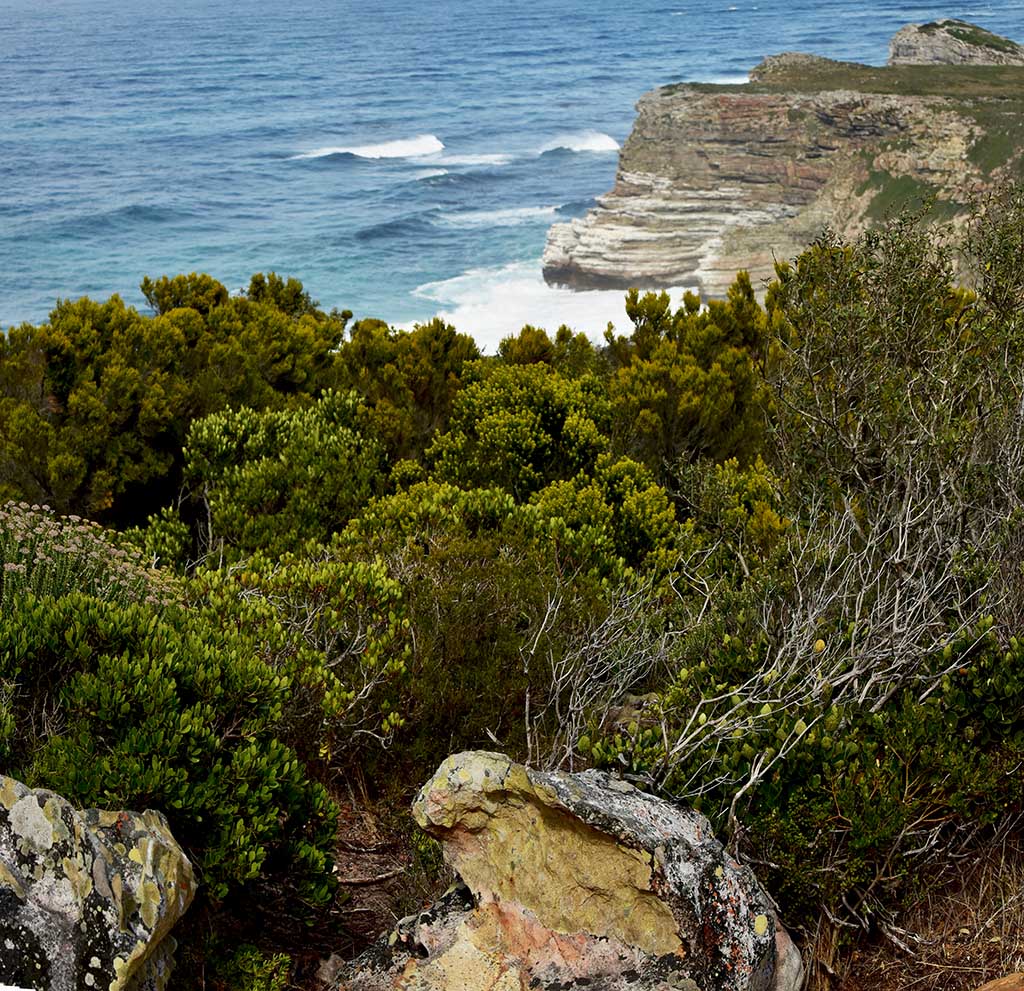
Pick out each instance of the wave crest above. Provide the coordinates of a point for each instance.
(417, 147)
(583, 141)
(499, 218)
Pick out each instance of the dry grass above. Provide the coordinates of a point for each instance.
(959, 935)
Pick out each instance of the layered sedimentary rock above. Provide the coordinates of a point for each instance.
(952, 42)
(87, 898)
(714, 179)
(577, 881)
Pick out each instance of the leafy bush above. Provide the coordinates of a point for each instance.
(121, 706)
(269, 481)
(686, 384)
(248, 968)
(849, 674)
(95, 404)
(114, 695)
(521, 427)
(510, 605)
(336, 630)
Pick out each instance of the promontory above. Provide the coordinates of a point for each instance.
(717, 178)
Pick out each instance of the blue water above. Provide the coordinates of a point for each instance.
(401, 158)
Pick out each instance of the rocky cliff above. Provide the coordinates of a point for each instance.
(952, 42)
(716, 178)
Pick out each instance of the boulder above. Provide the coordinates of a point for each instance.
(577, 881)
(952, 42)
(87, 898)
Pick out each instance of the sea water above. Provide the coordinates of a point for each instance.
(402, 158)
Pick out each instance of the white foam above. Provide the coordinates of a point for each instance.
(492, 303)
(498, 218)
(592, 141)
(417, 147)
(474, 160)
(431, 174)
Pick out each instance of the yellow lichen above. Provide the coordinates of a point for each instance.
(572, 877)
(8, 878)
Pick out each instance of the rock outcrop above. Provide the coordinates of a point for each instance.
(952, 42)
(577, 881)
(87, 898)
(716, 178)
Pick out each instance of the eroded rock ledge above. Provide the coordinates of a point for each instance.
(577, 881)
(714, 179)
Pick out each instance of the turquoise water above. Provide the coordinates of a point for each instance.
(401, 158)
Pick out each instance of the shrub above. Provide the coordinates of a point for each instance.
(272, 481)
(115, 695)
(336, 630)
(47, 555)
(522, 427)
(122, 706)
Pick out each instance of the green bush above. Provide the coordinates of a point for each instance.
(270, 481)
(251, 969)
(127, 706)
(521, 427)
(337, 630)
(116, 695)
(502, 596)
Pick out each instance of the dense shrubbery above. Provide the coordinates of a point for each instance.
(117, 699)
(766, 559)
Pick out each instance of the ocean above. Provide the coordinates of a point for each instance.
(403, 159)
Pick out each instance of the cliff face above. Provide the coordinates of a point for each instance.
(714, 179)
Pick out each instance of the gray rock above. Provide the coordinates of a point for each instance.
(573, 881)
(87, 898)
(952, 42)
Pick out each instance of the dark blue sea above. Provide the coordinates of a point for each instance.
(402, 158)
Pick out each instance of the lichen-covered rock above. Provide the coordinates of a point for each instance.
(952, 42)
(87, 898)
(577, 880)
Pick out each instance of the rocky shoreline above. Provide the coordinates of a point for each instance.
(714, 179)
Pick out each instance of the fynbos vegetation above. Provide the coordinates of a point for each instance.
(766, 559)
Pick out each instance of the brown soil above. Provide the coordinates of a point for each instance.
(958, 937)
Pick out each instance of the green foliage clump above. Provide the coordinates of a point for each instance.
(336, 631)
(95, 404)
(248, 968)
(571, 354)
(406, 380)
(687, 385)
(116, 696)
(268, 481)
(499, 594)
(123, 706)
(520, 427)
